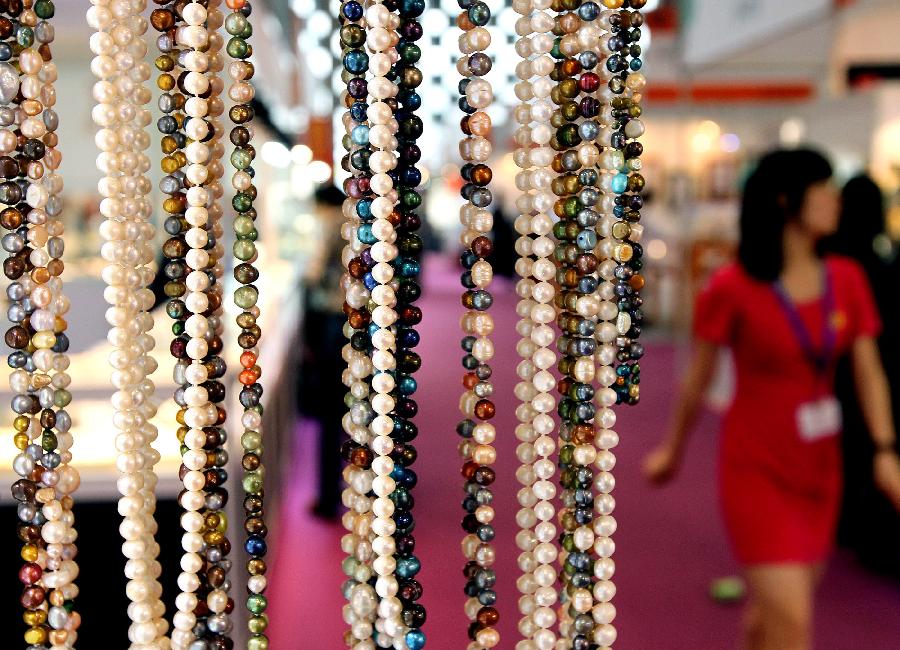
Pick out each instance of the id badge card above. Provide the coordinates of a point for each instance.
(819, 418)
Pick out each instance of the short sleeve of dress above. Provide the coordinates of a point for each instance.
(715, 311)
(863, 319)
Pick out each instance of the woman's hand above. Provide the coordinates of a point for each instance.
(662, 464)
(887, 475)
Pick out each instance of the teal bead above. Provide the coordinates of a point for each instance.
(257, 603)
(237, 48)
(44, 9)
(620, 183)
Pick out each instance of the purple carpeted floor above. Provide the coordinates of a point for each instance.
(669, 544)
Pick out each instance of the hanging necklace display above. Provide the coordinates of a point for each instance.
(362, 601)
(38, 379)
(406, 271)
(246, 297)
(121, 96)
(191, 103)
(582, 301)
(623, 165)
(476, 447)
(537, 529)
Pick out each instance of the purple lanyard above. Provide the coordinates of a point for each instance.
(820, 359)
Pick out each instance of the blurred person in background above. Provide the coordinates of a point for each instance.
(321, 389)
(788, 314)
(869, 524)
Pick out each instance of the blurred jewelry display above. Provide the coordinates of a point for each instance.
(31, 191)
(579, 266)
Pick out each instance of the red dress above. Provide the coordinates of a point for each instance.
(780, 494)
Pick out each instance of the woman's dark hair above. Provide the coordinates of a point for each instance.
(773, 196)
(862, 220)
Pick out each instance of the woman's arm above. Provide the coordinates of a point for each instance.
(663, 462)
(873, 395)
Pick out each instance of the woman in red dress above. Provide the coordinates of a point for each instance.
(787, 314)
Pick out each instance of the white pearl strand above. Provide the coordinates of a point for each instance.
(200, 411)
(360, 612)
(121, 95)
(537, 535)
(382, 40)
(37, 86)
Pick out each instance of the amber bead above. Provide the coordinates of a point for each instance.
(485, 409)
(488, 616)
(482, 246)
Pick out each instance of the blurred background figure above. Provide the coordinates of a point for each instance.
(869, 524)
(321, 391)
(788, 314)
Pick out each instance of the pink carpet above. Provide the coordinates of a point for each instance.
(670, 542)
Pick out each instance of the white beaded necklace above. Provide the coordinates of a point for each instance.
(121, 95)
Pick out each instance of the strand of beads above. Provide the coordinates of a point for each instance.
(121, 95)
(579, 306)
(51, 569)
(626, 183)
(406, 270)
(537, 583)
(382, 40)
(171, 102)
(27, 463)
(477, 432)
(361, 610)
(246, 297)
(206, 577)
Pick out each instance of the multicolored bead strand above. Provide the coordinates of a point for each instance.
(38, 336)
(360, 612)
(580, 302)
(623, 162)
(121, 95)
(478, 434)
(205, 576)
(538, 532)
(246, 298)
(407, 266)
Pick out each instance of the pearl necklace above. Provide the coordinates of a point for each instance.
(246, 298)
(361, 611)
(476, 447)
(48, 479)
(382, 40)
(121, 94)
(205, 531)
(537, 584)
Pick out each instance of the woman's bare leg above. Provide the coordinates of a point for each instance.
(780, 611)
